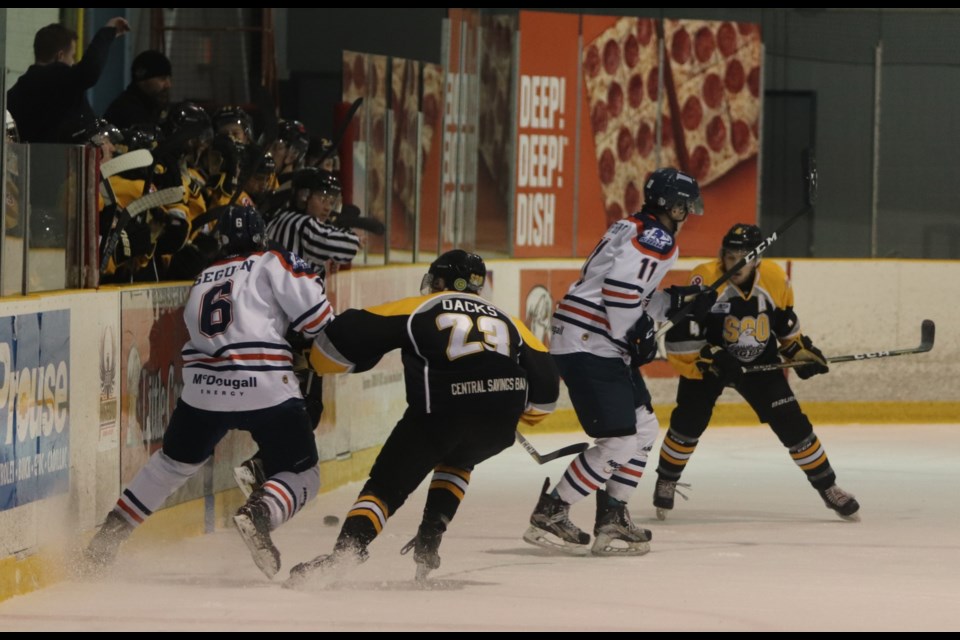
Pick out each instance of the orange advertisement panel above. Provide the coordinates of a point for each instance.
(546, 126)
(703, 107)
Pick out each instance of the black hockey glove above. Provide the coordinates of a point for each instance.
(802, 349)
(702, 302)
(716, 362)
(641, 341)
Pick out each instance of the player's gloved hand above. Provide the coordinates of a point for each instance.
(533, 415)
(641, 341)
(703, 299)
(716, 362)
(802, 349)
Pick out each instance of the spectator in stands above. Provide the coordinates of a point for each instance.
(146, 98)
(54, 88)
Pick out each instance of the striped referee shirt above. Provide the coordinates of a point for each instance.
(314, 241)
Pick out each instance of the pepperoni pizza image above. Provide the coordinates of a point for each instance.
(709, 115)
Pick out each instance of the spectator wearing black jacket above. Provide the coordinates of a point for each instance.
(147, 97)
(53, 89)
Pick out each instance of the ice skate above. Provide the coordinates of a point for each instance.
(253, 522)
(615, 533)
(663, 495)
(551, 528)
(842, 502)
(328, 568)
(102, 549)
(425, 546)
(249, 476)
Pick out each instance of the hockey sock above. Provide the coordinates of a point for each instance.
(285, 493)
(594, 467)
(811, 457)
(365, 520)
(675, 452)
(153, 484)
(447, 488)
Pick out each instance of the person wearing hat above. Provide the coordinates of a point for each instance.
(53, 90)
(146, 98)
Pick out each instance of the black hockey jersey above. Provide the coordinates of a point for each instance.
(460, 354)
(749, 324)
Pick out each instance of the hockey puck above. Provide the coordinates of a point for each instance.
(331, 521)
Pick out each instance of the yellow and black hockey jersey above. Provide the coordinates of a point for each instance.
(460, 354)
(749, 324)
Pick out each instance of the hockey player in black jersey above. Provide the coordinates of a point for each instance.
(752, 321)
(471, 373)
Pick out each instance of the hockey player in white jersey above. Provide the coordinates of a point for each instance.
(237, 374)
(601, 332)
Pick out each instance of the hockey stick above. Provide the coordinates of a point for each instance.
(568, 450)
(132, 160)
(927, 331)
(342, 132)
(810, 179)
(125, 162)
(135, 208)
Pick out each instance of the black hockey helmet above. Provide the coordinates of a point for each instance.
(667, 188)
(240, 229)
(187, 114)
(742, 237)
(254, 158)
(95, 131)
(455, 270)
(294, 134)
(229, 115)
(316, 179)
(141, 136)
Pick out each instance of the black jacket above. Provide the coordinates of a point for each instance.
(133, 107)
(49, 95)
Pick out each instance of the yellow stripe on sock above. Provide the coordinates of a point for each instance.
(449, 486)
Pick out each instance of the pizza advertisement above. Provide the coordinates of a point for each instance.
(546, 132)
(703, 106)
(415, 88)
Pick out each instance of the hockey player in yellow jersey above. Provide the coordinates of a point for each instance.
(471, 373)
(752, 322)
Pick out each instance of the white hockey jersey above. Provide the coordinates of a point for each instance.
(237, 314)
(618, 284)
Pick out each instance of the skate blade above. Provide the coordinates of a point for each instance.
(262, 557)
(662, 513)
(604, 546)
(540, 538)
(853, 517)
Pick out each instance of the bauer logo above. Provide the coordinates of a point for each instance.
(34, 407)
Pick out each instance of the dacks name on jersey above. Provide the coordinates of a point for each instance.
(618, 280)
(460, 353)
(747, 323)
(237, 314)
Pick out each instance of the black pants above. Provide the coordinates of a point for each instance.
(283, 433)
(420, 442)
(768, 394)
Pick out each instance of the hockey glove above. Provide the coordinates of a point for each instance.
(703, 300)
(641, 341)
(802, 349)
(716, 362)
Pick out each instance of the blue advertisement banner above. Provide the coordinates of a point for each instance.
(34, 407)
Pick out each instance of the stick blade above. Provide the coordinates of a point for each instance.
(927, 334)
